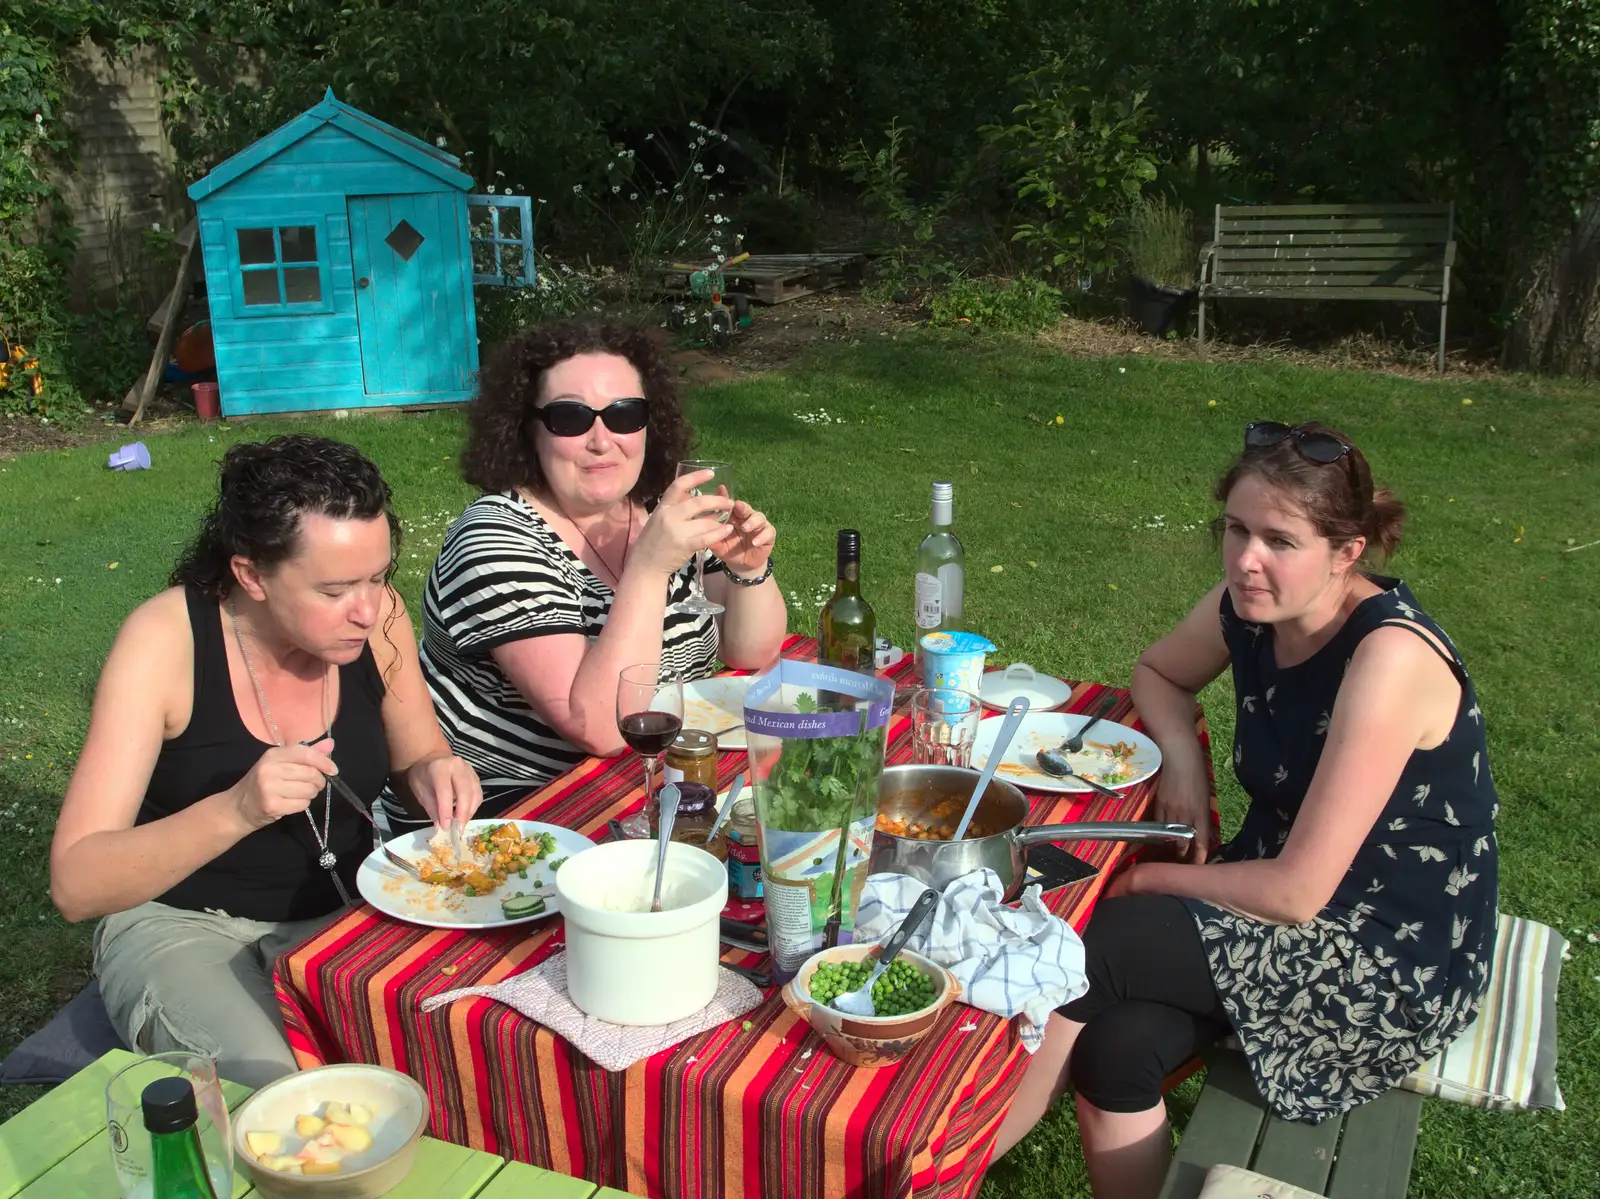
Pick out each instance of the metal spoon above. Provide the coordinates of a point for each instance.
(667, 799)
(727, 805)
(1052, 763)
(859, 1002)
(1008, 729)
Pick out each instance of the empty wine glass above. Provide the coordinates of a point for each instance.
(649, 717)
(720, 483)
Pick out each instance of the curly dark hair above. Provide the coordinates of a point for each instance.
(264, 489)
(500, 454)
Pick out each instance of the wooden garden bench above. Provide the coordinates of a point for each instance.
(1365, 1154)
(1400, 252)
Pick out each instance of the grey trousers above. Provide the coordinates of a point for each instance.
(175, 979)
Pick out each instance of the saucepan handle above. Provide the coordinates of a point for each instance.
(1138, 831)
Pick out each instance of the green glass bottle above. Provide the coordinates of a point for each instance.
(177, 1161)
(848, 624)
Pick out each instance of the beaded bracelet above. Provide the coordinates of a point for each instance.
(755, 582)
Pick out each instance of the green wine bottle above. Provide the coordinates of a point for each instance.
(848, 624)
(177, 1161)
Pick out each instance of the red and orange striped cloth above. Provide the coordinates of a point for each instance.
(736, 1113)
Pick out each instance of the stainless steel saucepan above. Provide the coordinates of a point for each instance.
(927, 794)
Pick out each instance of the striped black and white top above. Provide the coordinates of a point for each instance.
(504, 574)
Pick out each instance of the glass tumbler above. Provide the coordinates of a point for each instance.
(130, 1143)
(944, 724)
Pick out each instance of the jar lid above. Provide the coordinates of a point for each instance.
(744, 811)
(694, 743)
(696, 800)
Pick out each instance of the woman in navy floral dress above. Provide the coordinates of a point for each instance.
(1344, 935)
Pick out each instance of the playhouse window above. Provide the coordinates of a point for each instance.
(279, 265)
(501, 231)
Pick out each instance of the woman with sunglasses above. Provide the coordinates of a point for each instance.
(1344, 936)
(564, 571)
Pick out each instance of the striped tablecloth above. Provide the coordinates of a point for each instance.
(741, 1113)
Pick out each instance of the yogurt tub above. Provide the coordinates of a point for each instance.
(627, 964)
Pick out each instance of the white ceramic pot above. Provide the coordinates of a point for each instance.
(626, 964)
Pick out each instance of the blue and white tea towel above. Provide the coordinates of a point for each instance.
(1021, 961)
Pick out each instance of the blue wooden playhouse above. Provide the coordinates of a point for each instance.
(339, 261)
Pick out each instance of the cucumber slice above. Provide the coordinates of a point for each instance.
(518, 907)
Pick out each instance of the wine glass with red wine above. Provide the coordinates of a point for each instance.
(649, 717)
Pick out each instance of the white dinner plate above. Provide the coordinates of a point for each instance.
(389, 889)
(1047, 730)
(713, 704)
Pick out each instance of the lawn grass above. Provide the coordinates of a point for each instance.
(1085, 541)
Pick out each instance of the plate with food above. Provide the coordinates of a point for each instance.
(507, 877)
(1113, 754)
(714, 705)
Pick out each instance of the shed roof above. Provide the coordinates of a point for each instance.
(335, 112)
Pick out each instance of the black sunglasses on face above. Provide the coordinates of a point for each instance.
(1321, 448)
(571, 418)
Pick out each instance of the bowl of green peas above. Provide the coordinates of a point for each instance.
(908, 998)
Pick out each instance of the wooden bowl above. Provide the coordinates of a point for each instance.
(401, 1108)
(869, 1040)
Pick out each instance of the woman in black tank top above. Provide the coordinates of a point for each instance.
(200, 819)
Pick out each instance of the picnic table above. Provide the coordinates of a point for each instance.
(59, 1146)
(753, 1108)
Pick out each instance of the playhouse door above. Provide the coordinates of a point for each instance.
(406, 251)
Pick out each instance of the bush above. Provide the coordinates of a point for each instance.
(557, 292)
(1023, 305)
(778, 224)
(1161, 242)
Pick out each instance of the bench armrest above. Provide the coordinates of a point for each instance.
(1208, 254)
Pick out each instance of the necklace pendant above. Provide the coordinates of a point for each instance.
(327, 861)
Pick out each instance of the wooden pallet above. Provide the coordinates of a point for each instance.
(774, 278)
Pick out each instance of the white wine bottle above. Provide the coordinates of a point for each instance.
(941, 572)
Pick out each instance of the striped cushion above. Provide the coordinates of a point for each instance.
(1506, 1058)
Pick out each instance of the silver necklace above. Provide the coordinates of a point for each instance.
(326, 859)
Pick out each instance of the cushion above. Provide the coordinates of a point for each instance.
(1235, 1182)
(78, 1035)
(1506, 1058)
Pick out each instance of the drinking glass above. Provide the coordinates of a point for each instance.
(130, 1143)
(944, 724)
(721, 483)
(649, 717)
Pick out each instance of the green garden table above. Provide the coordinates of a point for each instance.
(57, 1149)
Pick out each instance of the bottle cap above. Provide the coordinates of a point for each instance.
(943, 491)
(850, 542)
(168, 1105)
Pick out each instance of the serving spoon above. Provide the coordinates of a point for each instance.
(859, 1002)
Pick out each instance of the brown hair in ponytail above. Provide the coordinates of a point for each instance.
(1337, 497)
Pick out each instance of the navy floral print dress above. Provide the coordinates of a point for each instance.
(1337, 1010)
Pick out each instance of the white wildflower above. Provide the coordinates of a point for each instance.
(491, 189)
(439, 141)
(633, 195)
(577, 189)
(699, 168)
(720, 168)
(500, 174)
(615, 188)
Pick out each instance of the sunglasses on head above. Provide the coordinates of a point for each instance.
(571, 418)
(1321, 448)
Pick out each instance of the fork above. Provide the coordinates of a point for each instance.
(1075, 742)
(350, 797)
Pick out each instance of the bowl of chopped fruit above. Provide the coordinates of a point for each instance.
(336, 1132)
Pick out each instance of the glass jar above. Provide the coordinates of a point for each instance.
(697, 812)
(743, 850)
(692, 758)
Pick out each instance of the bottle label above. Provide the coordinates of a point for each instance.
(930, 598)
(952, 580)
(671, 774)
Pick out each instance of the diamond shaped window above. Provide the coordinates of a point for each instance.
(403, 240)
